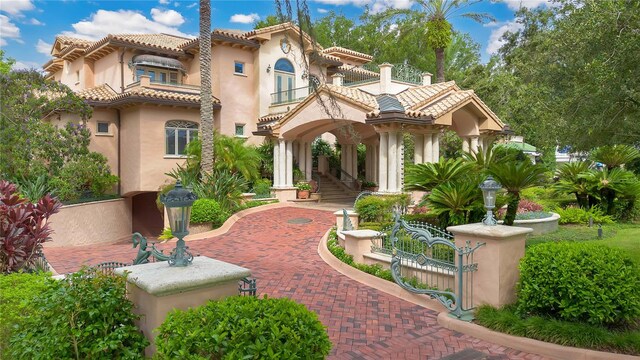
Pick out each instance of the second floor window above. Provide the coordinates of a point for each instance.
(177, 135)
(158, 75)
(238, 67)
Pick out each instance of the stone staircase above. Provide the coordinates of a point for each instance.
(333, 191)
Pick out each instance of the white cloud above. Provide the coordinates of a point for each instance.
(375, 5)
(322, 11)
(244, 18)
(529, 4)
(26, 65)
(495, 39)
(192, 5)
(8, 30)
(35, 21)
(43, 47)
(169, 17)
(164, 2)
(105, 22)
(16, 7)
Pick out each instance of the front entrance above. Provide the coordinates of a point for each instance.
(146, 218)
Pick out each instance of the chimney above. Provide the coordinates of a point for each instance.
(426, 78)
(385, 78)
(145, 80)
(336, 79)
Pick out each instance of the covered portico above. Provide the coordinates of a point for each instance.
(355, 117)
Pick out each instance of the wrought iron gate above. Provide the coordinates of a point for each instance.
(425, 260)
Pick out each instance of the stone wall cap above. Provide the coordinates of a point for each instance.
(349, 212)
(498, 231)
(361, 234)
(160, 279)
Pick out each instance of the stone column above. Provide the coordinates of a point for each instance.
(382, 161)
(347, 159)
(418, 152)
(354, 155)
(276, 164)
(289, 158)
(283, 162)
(308, 161)
(428, 148)
(498, 260)
(392, 175)
(474, 145)
(343, 158)
(436, 147)
(302, 156)
(400, 162)
(465, 144)
(375, 163)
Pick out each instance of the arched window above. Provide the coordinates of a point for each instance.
(178, 134)
(285, 79)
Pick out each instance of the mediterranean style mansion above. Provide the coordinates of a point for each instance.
(272, 84)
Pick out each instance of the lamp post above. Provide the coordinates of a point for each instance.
(489, 189)
(178, 203)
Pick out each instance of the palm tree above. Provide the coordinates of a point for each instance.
(616, 155)
(572, 181)
(515, 176)
(454, 202)
(433, 18)
(424, 177)
(606, 185)
(206, 104)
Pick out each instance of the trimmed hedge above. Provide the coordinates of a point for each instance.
(243, 327)
(207, 210)
(379, 208)
(579, 282)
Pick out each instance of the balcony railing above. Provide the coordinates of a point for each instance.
(289, 96)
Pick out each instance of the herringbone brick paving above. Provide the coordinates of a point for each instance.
(362, 322)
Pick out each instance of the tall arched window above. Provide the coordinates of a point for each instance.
(285, 81)
(178, 134)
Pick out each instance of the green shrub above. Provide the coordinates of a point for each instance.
(87, 173)
(338, 252)
(84, 316)
(244, 327)
(379, 208)
(256, 203)
(15, 292)
(375, 226)
(262, 188)
(428, 218)
(580, 282)
(576, 215)
(207, 210)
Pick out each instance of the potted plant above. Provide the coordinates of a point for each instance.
(369, 186)
(304, 189)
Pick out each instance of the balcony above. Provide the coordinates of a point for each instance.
(145, 81)
(289, 96)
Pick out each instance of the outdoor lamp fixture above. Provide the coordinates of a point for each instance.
(178, 203)
(489, 189)
(269, 68)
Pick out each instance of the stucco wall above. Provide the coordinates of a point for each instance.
(92, 223)
(69, 77)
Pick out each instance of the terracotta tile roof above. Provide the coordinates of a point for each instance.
(358, 70)
(444, 104)
(272, 117)
(415, 98)
(68, 40)
(280, 27)
(356, 95)
(328, 57)
(231, 34)
(158, 41)
(104, 93)
(344, 51)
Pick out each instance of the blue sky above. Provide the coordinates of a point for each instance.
(28, 27)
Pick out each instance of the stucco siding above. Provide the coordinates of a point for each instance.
(92, 223)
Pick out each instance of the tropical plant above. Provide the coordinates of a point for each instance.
(265, 150)
(432, 20)
(424, 177)
(206, 98)
(605, 185)
(208, 211)
(572, 181)
(85, 315)
(262, 188)
(515, 176)
(24, 227)
(615, 156)
(224, 187)
(454, 202)
(34, 189)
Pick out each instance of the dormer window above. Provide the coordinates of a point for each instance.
(159, 69)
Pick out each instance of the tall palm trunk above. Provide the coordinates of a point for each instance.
(206, 105)
(440, 65)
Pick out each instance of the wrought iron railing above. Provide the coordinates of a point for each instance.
(406, 73)
(290, 95)
(247, 287)
(356, 75)
(347, 179)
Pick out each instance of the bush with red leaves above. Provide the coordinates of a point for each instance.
(23, 227)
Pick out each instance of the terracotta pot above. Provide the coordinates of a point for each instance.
(303, 194)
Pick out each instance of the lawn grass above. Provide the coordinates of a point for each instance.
(622, 236)
(566, 333)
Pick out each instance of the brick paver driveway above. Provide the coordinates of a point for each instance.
(363, 323)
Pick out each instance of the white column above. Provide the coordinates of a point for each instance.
(474, 145)
(436, 147)
(354, 163)
(400, 162)
(283, 162)
(465, 144)
(418, 149)
(343, 157)
(308, 161)
(382, 161)
(289, 163)
(392, 178)
(347, 159)
(428, 148)
(276, 164)
(302, 157)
